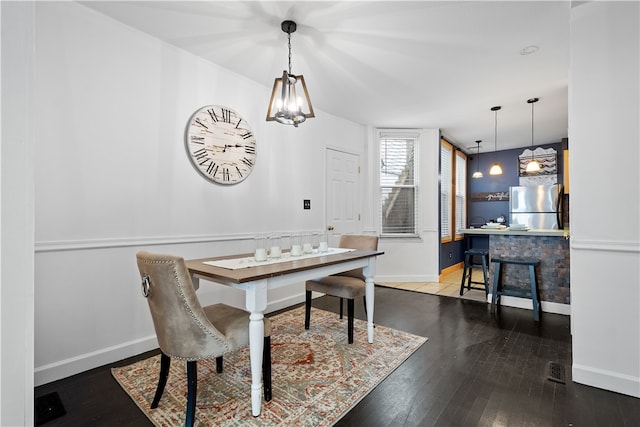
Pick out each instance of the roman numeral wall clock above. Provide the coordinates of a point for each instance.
(220, 144)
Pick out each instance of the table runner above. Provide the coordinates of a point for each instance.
(248, 262)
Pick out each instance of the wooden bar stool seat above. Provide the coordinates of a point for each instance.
(470, 265)
(499, 289)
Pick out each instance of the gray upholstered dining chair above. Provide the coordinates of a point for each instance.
(188, 331)
(349, 284)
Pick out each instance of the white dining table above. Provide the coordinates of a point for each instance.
(255, 279)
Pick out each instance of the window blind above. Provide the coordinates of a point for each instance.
(461, 192)
(398, 183)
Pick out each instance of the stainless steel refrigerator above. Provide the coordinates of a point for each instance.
(537, 207)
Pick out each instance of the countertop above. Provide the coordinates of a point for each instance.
(506, 231)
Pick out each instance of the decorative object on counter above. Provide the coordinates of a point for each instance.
(286, 106)
(495, 196)
(494, 226)
(519, 227)
(496, 169)
(533, 166)
(477, 173)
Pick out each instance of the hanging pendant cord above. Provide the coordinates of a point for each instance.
(495, 136)
(532, 131)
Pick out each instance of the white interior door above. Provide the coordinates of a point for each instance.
(343, 173)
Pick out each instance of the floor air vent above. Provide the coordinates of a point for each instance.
(48, 407)
(555, 372)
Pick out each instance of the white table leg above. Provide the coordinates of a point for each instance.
(256, 302)
(369, 295)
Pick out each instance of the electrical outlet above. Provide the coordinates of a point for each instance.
(450, 255)
(306, 204)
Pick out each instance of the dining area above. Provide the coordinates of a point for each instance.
(169, 283)
(100, 172)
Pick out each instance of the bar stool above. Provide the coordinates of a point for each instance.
(499, 289)
(469, 266)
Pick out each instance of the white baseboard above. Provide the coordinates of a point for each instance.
(285, 302)
(84, 362)
(547, 307)
(406, 279)
(607, 380)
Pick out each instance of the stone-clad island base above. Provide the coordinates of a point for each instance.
(548, 246)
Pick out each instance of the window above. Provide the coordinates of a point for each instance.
(453, 192)
(446, 187)
(461, 193)
(398, 187)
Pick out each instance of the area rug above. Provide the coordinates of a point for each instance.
(317, 376)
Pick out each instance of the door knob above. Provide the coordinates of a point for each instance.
(330, 227)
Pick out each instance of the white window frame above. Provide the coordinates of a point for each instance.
(453, 192)
(460, 201)
(446, 191)
(407, 134)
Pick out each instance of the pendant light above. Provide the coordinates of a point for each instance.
(477, 173)
(496, 169)
(286, 105)
(533, 165)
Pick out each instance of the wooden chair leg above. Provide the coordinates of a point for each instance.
(266, 368)
(495, 300)
(219, 364)
(464, 273)
(192, 391)
(341, 307)
(350, 310)
(307, 309)
(534, 293)
(165, 364)
(484, 275)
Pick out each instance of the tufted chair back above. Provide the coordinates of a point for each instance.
(182, 328)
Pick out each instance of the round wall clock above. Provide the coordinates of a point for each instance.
(220, 144)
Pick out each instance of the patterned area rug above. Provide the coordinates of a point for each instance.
(317, 376)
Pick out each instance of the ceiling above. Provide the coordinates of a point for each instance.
(414, 64)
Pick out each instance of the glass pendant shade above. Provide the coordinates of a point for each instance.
(533, 166)
(287, 106)
(477, 174)
(290, 103)
(496, 169)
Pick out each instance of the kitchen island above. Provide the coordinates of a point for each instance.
(551, 247)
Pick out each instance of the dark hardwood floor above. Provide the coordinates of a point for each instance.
(475, 370)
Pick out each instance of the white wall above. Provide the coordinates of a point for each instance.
(605, 196)
(16, 218)
(112, 177)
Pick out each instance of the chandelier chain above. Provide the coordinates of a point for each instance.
(289, 36)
